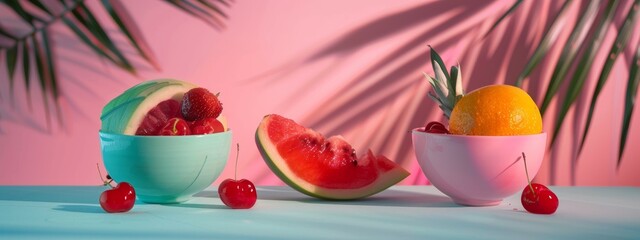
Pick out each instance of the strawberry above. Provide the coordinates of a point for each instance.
(206, 126)
(199, 103)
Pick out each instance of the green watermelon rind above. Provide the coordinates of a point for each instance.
(118, 115)
(270, 154)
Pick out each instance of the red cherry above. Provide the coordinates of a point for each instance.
(175, 127)
(238, 194)
(118, 199)
(537, 198)
(540, 200)
(436, 127)
(206, 126)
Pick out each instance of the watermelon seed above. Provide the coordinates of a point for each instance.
(354, 162)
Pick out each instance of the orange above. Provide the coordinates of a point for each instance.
(496, 110)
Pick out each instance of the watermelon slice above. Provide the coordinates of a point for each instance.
(144, 108)
(126, 112)
(323, 168)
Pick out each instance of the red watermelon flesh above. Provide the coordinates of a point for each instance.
(158, 116)
(325, 168)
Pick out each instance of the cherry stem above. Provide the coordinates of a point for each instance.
(175, 126)
(524, 158)
(104, 182)
(235, 174)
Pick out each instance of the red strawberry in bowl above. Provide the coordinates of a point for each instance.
(199, 103)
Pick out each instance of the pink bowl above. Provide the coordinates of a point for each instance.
(478, 170)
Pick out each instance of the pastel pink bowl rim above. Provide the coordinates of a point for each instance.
(478, 170)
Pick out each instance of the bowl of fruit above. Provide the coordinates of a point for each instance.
(493, 142)
(167, 138)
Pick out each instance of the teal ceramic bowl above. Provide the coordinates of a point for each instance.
(165, 169)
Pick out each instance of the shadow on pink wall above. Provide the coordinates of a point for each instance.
(366, 82)
(498, 59)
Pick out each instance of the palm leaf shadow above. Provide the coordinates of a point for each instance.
(366, 95)
(371, 32)
(84, 25)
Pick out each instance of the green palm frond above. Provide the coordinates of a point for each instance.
(621, 41)
(36, 46)
(629, 100)
(586, 37)
(549, 38)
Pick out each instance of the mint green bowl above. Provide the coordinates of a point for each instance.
(165, 169)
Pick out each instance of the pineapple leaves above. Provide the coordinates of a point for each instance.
(447, 86)
(436, 60)
(36, 44)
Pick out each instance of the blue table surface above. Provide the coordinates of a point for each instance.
(401, 212)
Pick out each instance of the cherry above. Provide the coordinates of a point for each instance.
(206, 126)
(537, 198)
(436, 127)
(175, 127)
(237, 194)
(120, 198)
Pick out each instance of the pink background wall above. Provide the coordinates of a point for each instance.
(342, 67)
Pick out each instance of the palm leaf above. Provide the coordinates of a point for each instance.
(549, 38)
(41, 6)
(87, 41)
(197, 12)
(12, 58)
(17, 8)
(129, 28)
(42, 78)
(618, 45)
(83, 23)
(504, 15)
(629, 99)
(213, 8)
(26, 70)
(91, 24)
(225, 3)
(51, 72)
(6, 34)
(572, 46)
(577, 82)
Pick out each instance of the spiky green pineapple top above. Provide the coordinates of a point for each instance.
(447, 85)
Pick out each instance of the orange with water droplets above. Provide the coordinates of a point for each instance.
(496, 110)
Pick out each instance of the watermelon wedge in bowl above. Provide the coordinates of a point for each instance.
(166, 137)
(326, 168)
